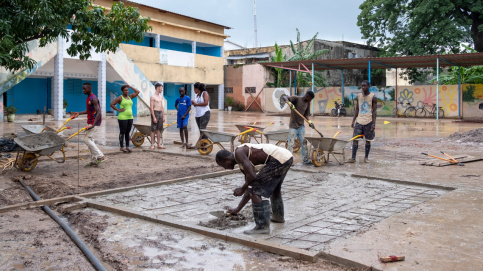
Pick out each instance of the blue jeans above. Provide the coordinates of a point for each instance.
(298, 133)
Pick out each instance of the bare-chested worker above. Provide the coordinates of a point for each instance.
(266, 184)
(157, 115)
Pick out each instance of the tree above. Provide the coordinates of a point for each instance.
(278, 72)
(22, 21)
(467, 75)
(300, 53)
(422, 27)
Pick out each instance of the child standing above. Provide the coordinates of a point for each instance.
(183, 105)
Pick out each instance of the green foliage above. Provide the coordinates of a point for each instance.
(22, 21)
(229, 101)
(65, 103)
(10, 110)
(238, 106)
(347, 102)
(278, 73)
(392, 93)
(469, 94)
(422, 27)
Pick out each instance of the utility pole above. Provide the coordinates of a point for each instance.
(255, 21)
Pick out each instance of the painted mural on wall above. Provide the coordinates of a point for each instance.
(419, 96)
(131, 74)
(472, 97)
(41, 55)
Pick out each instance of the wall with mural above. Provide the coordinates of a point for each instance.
(325, 97)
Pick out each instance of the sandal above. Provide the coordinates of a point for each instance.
(123, 150)
(128, 150)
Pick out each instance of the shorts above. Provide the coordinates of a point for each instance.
(365, 130)
(159, 125)
(181, 123)
(269, 180)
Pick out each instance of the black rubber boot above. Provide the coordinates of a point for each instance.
(277, 209)
(261, 214)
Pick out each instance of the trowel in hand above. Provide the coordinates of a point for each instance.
(219, 214)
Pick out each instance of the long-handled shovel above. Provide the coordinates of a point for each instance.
(459, 163)
(451, 161)
(306, 120)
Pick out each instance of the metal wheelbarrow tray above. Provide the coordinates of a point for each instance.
(35, 145)
(281, 137)
(246, 138)
(36, 129)
(205, 145)
(322, 147)
(142, 131)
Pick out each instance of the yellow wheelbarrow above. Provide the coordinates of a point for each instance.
(205, 145)
(31, 147)
(257, 134)
(281, 137)
(142, 131)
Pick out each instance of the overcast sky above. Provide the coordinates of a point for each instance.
(276, 19)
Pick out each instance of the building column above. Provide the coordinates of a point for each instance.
(193, 47)
(157, 41)
(193, 91)
(1, 107)
(101, 84)
(58, 82)
(221, 96)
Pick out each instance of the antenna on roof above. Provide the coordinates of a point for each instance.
(255, 21)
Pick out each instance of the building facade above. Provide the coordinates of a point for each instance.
(179, 51)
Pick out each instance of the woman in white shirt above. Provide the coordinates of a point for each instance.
(201, 102)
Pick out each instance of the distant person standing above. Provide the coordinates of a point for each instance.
(125, 117)
(201, 102)
(297, 126)
(364, 122)
(183, 105)
(94, 119)
(157, 115)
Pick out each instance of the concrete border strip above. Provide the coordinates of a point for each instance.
(264, 245)
(181, 154)
(39, 203)
(435, 186)
(346, 262)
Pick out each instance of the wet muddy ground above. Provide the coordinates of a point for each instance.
(131, 244)
(50, 179)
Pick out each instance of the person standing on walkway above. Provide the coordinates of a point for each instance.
(267, 183)
(183, 105)
(364, 122)
(296, 126)
(201, 103)
(157, 115)
(125, 117)
(94, 119)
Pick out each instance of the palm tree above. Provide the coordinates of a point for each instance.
(278, 72)
(300, 53)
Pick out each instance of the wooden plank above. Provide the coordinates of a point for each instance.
(39, 203)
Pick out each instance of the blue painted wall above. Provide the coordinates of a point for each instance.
(171, 93)
(181, 47)
(147, 42)
(115, 87)
(209, 51)
(29, 95)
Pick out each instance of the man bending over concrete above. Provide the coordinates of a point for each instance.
(259, 187)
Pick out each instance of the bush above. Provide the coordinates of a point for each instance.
(10, 110)
(238, 106)
(65, 103)
(229, 101)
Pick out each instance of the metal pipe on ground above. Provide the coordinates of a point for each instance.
(90, 256)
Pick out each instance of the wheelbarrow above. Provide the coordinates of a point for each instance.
(36, 129)
(246, 138)
(322, 147)
(205, 145)
(32, 147)
(141, 131)
(282, 137)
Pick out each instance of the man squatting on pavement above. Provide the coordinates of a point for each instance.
(365, 120)
(259, 187)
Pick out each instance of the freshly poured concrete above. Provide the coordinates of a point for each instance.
(319, 208)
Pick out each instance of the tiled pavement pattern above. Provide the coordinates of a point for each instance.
(319, 207)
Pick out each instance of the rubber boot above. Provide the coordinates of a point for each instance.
(277, 210)
(261, 214)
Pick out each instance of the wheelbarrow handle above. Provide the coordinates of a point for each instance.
(65, 128)
(168, 125)
(69, 119)
(356, 137)
(336, 134)
(249, 129)
(77, 132)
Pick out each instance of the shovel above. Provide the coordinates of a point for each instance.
(459, 163)
(306, 120)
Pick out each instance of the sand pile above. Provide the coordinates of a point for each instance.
(470, 136)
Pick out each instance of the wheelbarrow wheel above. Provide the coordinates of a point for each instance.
(138, 139)
(27, 162)
(297, 145)
(246, 138)
(318, 158)
(205, 146)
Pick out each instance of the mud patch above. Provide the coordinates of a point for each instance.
(230, 222)
(475, 136)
